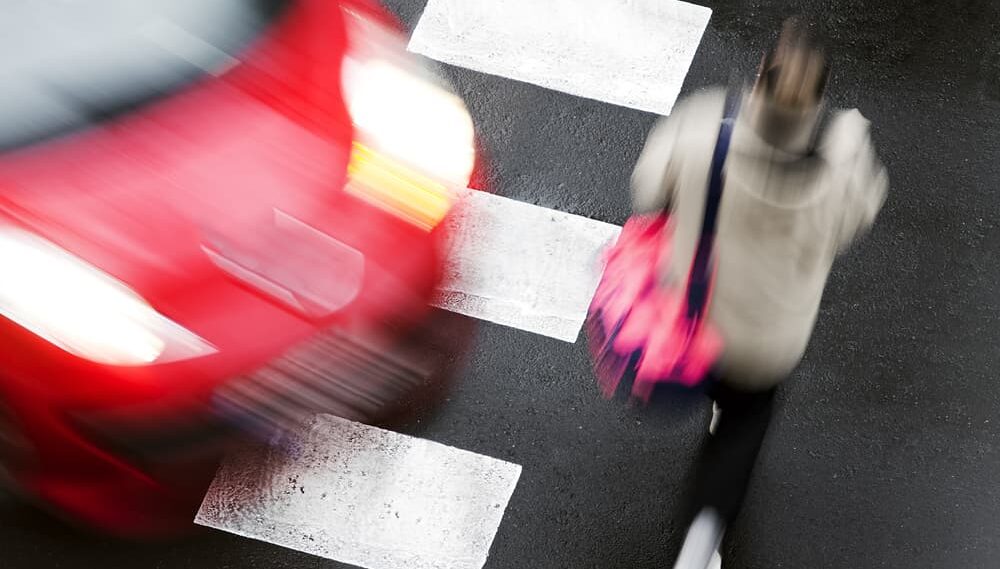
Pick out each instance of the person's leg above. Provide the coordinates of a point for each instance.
(727, 457)
(722, 472)
(701, 543)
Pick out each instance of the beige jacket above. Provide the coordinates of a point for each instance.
(783, 218)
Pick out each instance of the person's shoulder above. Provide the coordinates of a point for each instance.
(715, 94)
(702, 103)
(691, 111)
(847, 133)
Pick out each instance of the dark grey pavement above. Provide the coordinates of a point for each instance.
(885, 452)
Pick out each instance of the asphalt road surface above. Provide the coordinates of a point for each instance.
(884, 451)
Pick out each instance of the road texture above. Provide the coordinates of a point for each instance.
(884, 452)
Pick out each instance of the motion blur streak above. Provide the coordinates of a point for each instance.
(389, 185)
(83, 310)
(410, 117)
(404, 109)
(216, 217)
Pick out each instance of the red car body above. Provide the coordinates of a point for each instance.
(232, 208)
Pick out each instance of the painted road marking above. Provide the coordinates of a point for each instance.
(633, 53)
(523, 266)
(364, 496)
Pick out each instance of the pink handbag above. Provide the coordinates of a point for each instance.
(638, 327)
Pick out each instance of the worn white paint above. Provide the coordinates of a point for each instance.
(522, 265)
(633, 53)
(364, 496)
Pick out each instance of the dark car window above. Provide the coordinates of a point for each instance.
(66, 64)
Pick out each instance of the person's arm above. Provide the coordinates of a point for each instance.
(867, 180)
(654, 178)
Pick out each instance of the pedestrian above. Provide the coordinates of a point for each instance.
(796, 191)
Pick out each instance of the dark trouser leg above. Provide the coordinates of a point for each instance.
(727, 458)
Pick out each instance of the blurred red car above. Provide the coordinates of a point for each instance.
(212, 212)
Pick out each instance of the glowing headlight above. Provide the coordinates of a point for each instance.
(83, 310)
(401, 108)
(405, 116)
(395, 188)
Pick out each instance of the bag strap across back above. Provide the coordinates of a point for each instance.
(699, 280)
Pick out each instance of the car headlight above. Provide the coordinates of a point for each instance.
(83, 310)
(410, 118)
(376, 178)
(407, 118)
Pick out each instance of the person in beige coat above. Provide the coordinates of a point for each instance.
(795, 195)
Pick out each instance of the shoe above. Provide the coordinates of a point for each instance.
(701, 545)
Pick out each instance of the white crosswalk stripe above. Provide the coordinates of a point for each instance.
(364, 496)
(634, 53)
(522, 265)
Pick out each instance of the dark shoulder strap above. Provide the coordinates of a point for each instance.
(701, 268)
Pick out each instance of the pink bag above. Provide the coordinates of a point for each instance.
(639, 327)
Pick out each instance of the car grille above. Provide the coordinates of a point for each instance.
(335, 373)
(332, 372)
(15, 450)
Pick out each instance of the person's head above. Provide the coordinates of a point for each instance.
(788, 94)
(793, 74)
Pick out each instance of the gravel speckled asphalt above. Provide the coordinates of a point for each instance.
(884, 452)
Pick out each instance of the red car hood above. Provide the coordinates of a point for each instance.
(136, 197)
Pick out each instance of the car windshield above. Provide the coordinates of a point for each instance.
(66, 64)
